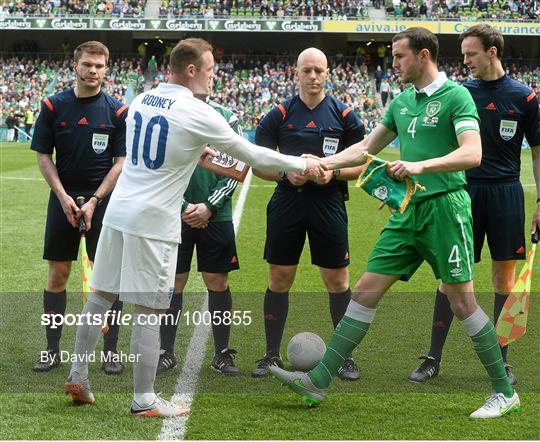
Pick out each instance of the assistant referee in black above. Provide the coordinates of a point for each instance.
(86, 130)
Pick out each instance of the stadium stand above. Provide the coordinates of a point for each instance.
(319, 10)
(59, 8)
(471, 10)
(24, 82)
(250, 86)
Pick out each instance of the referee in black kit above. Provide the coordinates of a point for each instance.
(316, 123)
(86, 128)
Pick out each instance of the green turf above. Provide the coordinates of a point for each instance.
(383, 405)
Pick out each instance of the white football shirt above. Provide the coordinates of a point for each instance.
(167, 130)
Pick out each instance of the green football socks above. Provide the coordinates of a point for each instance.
(486, 346)
(347, 335)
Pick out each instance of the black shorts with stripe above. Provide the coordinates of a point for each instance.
(498, 211)
(216, 248)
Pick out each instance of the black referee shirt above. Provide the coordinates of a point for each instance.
(508, 111)
(86, 133)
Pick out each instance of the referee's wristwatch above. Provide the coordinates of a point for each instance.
(282, 175)
(336, 173)
(98, 199)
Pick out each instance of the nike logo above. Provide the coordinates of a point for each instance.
(298, 383)
(504, 410)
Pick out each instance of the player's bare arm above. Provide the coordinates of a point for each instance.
(354, 155)
(349, 173)
(535, 151)
(267, 175)
(104, 189)
(50, 173)
(346, 174)
(467, 155)
(295, 178)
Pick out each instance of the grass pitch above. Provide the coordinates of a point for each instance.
(382, 405)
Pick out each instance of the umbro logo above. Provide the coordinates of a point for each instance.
(521, 250)
(311, 124)
(491, 106)
(83, 120)
(234, 260)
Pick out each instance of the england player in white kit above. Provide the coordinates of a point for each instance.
(167, 131)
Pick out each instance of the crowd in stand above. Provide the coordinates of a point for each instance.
(249, 86)
(25, 82)
(303, 9)
(59, 8)
(472, 10)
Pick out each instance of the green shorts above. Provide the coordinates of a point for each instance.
(438, 230)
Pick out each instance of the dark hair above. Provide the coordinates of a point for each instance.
(488, 35)
(91, 47)
(188, 51)
(420, 38)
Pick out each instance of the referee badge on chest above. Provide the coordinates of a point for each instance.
(330, 146)
(100, 142)
(507, 129)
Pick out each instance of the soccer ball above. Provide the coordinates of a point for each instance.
(305, 351)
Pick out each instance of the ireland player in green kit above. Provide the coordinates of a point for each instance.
(437, 125)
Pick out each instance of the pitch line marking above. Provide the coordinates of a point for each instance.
(186, 383)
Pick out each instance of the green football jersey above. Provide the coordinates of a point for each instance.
(428, 126)
(210, 188)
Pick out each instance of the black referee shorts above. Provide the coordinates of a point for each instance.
(498, 211)
(291, 213)
(62, 239)
(216, 248)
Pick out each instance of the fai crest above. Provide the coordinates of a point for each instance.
(330, 146)
(381, 193)
(433, 108)
(100, 142)
(507, 129)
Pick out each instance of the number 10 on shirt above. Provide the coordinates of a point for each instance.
(163, 124)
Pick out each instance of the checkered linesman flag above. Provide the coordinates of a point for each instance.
(512, 322)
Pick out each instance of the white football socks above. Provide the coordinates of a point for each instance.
(88, 333)
(145, 349)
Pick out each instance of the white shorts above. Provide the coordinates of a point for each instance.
(140, 270)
